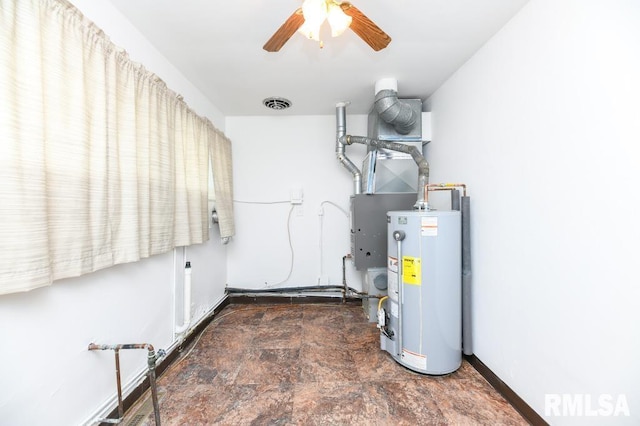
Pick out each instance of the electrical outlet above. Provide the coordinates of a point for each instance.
(296, 195)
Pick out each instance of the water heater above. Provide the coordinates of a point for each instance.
(421, 321)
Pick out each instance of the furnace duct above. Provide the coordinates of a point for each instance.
(395, 112)
(392, 110)
(423, 165)
(394, 119)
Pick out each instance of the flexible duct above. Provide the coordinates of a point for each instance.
(341, 130)
(423, 165)
(395, 112)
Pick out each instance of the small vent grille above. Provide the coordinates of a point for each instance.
(277, 103)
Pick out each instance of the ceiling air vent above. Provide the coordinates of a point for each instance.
(277, 103)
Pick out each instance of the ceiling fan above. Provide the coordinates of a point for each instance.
(341, 15)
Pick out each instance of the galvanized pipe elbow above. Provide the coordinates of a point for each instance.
(423, 165)
(395, 112)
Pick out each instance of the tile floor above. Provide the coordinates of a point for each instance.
(312, 364)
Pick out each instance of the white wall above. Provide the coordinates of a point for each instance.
(122, 33)
(271, 155)
(543, 123)
(48, 377)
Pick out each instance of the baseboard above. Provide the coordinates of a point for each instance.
(137, 392)
(507, 393)
(290, 300)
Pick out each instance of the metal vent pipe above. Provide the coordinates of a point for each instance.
(341, 131)
(423, 165)
(392, 110)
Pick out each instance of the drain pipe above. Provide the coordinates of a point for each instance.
(392, 110)
(345, 287)
(341, 131)
(186, 296)
(152, 357)
(423, 165)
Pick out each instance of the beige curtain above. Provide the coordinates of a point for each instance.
(100, 163)
(192, 173)
(221, 161)
(53, 208)
(141, 158)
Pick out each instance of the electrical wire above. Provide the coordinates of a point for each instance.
(346, 213)
(321, 232)
(381, 301)
(288, 233)
(290, 247)
(195, 343)
(262, 202)
(288, 289)
(216, 320)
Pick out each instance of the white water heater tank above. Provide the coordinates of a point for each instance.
(424, 328)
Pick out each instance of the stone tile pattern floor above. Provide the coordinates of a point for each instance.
(313, 364)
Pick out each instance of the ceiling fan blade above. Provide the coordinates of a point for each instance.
(284, 33)
(365, 28)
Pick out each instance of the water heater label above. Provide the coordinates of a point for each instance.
(392, 285)
(411, 270)
(429, 226)
(392, 264)
(412, 359)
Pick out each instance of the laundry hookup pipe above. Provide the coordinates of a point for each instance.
(345, 287)
(341, 130)
(423, 165)
(152, 357)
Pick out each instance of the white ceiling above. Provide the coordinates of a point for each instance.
(217, 45)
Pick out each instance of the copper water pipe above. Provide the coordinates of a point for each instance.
(443, 187)
(151, 363)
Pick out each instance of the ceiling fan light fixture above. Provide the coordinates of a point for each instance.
(308, 20)
(338, 20)
(315, 13)
(310, 32)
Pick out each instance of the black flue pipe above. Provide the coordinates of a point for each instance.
(455, 199)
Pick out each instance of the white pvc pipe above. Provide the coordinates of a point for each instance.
(186, 298)
(386, 84)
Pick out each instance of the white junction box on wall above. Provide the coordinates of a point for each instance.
(296, 195)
